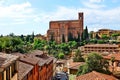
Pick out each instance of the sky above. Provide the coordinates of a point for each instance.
(27, 16)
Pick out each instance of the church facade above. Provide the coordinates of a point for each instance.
(65, 30)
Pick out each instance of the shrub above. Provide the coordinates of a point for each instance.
(61, 55)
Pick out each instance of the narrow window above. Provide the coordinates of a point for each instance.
(8, 73)
(1, 76)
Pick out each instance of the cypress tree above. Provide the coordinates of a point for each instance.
(70, 37)
(52, 37)
(86, 33)
(63, 38)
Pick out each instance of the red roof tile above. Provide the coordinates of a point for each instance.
(95, 76)
(75, 65)
(115, 55)
(23, 69)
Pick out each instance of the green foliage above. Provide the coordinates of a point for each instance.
(97, 37)
(100, 41)
(61, 55)
(85, 35)
(114, 36)
(70, 37)
(52, 37)
(10, 44)
(112, 60)
(72, 44)
(94, 41)
(94, 62)
(105, 37)
(78, 39)
(39, 44)
(78, 56)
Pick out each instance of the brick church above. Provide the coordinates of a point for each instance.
(61, 31)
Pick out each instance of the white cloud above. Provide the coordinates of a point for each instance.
(96, 1)
(94, 18)
(94, 4)
(19, 12)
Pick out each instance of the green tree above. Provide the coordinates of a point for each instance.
(114, 36)
(78, 38)
(104, 37)
(112, 60)
(11, 35)
(63, 38)
(86, 33)
(39, 44)
(32, 38)
(27, 38)
(52, 37)
(70, 37)
(22, 37)
(94, 62)
(61, 55)
(97, 37)
(100, 41)
(72, 45)
(82, 36)
(78, 56)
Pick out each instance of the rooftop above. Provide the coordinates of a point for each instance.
(7, 59)
(101, 45)
(64, 21)
(115, 55)
(26, 58)
(75, 65)
(43, 58)
(95, 76)
(23, 70)
(35, 57)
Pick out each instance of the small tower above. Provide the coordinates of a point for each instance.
(80, 16)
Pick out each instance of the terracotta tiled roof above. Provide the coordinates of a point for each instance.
(35, 57)
(95, 76)
(115, 55)
(61, 61)
(26, 58)
(75, 65)
(30, 60)
(23, 70)
(35, 52)
(18, 54)
(43, 58)
(2, 60)
(7, 59)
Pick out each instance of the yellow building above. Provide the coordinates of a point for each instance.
(107, 32)
(8, 67)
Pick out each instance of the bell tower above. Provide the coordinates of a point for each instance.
(80, 16)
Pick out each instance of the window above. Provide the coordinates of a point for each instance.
(80, 17)
(1, 76)
(13, 69)
(8, 73)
